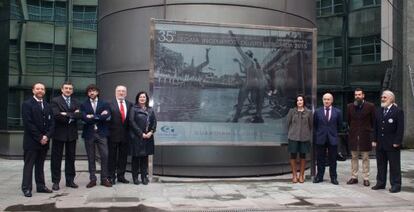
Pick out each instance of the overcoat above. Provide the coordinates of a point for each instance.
(141, 121)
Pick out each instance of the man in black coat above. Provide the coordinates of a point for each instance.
(66, 112)
(388, 135)
(38, 128)
(118, 135)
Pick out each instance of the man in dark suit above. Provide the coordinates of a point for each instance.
(38, 129)
(66, 112)
(326, 122)
(96, 115)
(388, 135)
(118, 135)
(361, 118)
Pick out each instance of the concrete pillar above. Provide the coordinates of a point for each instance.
(408, 59)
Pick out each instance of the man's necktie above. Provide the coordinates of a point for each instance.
(68, 101)
(385, 111)
(327, 113)
(40, 104)
(121, 108)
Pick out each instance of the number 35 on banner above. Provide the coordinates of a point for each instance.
(166, 36)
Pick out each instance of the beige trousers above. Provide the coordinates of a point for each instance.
(355, 163)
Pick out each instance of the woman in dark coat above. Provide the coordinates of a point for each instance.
(142, 124)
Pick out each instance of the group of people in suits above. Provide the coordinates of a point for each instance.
(381, 128)
(117, 129)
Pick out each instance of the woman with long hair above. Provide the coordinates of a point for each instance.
(142, 124)
(299, 122)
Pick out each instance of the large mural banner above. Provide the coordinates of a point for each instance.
(217, 83)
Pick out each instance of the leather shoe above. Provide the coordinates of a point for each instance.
(55, 187)
(72, 184)
(136, 181)
(366, 183)
(113, 181)
(352, 181)
(44, 190)
(123, 180)
(395, 189)
(377, 187)
(317, 180)
(91, 184)
(334, 181)
(106, 183)
(27, 193)
(145, 180)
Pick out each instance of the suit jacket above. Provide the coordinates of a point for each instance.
(361, 126)
(389, 128)
(327, 131)
(101, 121)
(118, 131)
(65, 131)
(37, 123)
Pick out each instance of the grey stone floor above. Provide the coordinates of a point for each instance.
(195, 194)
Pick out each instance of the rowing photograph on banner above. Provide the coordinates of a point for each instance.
(220, 83)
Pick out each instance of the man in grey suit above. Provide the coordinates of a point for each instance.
(118, 135)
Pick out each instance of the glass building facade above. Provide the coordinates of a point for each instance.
(48, 41)
(349, 49)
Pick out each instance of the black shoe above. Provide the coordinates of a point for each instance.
(27, 193)
(395, 189)
(113, 181)
(366, 183)
(145, 180)
(136, 181)
(317, 180)
(71, 184)
(123, 180)
(377, 187)
(352, 181)
(334, 181)
(44, 190)
(55, 187)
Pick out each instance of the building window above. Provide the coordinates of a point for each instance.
(83, 62)
(329, 7)
(39, 57)
(16, 11)
(13, 57)
(40, 10)
(60, 13)
(365, 50)
(330, 53)
(357, 4)
(84, 17)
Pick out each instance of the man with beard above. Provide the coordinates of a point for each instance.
(361, 118)
(388, 135)
(38, 125)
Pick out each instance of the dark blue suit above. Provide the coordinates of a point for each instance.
(37, 123)
(389, 130)
(326, 138)
(95, 131)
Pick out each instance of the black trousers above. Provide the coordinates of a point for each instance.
(393, 158)
(320, 159)
(139, 165)
(56, 160)
(36, 159)
(117, 159)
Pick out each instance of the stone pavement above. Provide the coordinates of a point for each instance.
(274, 193)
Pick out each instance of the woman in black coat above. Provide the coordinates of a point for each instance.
(142, 124)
